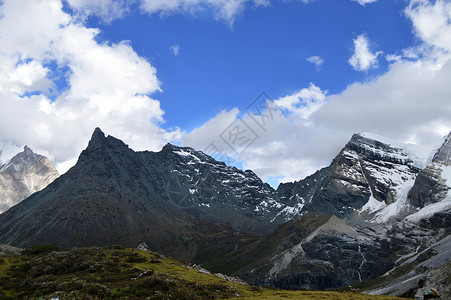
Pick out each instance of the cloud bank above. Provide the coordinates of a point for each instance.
(106, 85)
(57, 83)
(223, 9)
(409, 103)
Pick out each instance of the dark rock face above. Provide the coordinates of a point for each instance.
(363, 168)
(429, 186)
(334, 262)
(170, 199)
(297, 194)
(317, 252)
(440, 220)
(443, 155)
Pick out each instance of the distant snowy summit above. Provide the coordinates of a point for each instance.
(7, 151)
(22, 173)
(370, 179)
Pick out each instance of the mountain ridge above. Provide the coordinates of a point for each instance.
(184, 203)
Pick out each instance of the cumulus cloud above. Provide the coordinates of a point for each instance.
(316, 60)
(304, 102)
(223, 9)
(432, 22)
(108, 10)
(279, 142)
(108, 85)
(363, 59)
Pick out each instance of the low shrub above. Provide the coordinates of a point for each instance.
(40, 249)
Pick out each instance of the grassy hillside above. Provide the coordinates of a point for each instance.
(117, 273)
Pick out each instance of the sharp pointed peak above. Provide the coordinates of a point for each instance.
(98, 138)
(170, 146)
(366, 137)
(98, 133)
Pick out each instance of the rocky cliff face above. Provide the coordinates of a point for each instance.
(366, 176)
(208, 189)
(433, 182)
(22, 175)
(375, 231)
(315, 251)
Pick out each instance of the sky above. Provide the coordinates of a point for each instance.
(276, 86)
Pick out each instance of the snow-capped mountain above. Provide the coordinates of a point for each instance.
(394, 223)
(367, 177)
(376, 206)
(22, 174)
(199, 183)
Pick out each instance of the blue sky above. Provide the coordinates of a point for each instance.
(221, 66)
(184, 71)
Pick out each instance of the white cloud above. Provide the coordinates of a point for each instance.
(210, 132)
(109, 85)
(223, 9)
(409, 103)
(432, 22)
(364, 2)
(26, 77)
(304, 102)
(108, 10)
(316, 60)
(175, 49)
(363, 59)
(283, 146)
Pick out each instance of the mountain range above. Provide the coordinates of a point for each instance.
(377, 217)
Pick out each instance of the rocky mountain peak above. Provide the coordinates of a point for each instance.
(97, 135)
(369, 174)
(170, 147)
(101, 147)
(97, 139)
(24, 174)
(22, 161)
(375, 148)
(443, 155)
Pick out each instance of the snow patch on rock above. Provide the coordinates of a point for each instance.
(431, 209)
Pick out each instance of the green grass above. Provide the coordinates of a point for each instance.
(116, 273)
